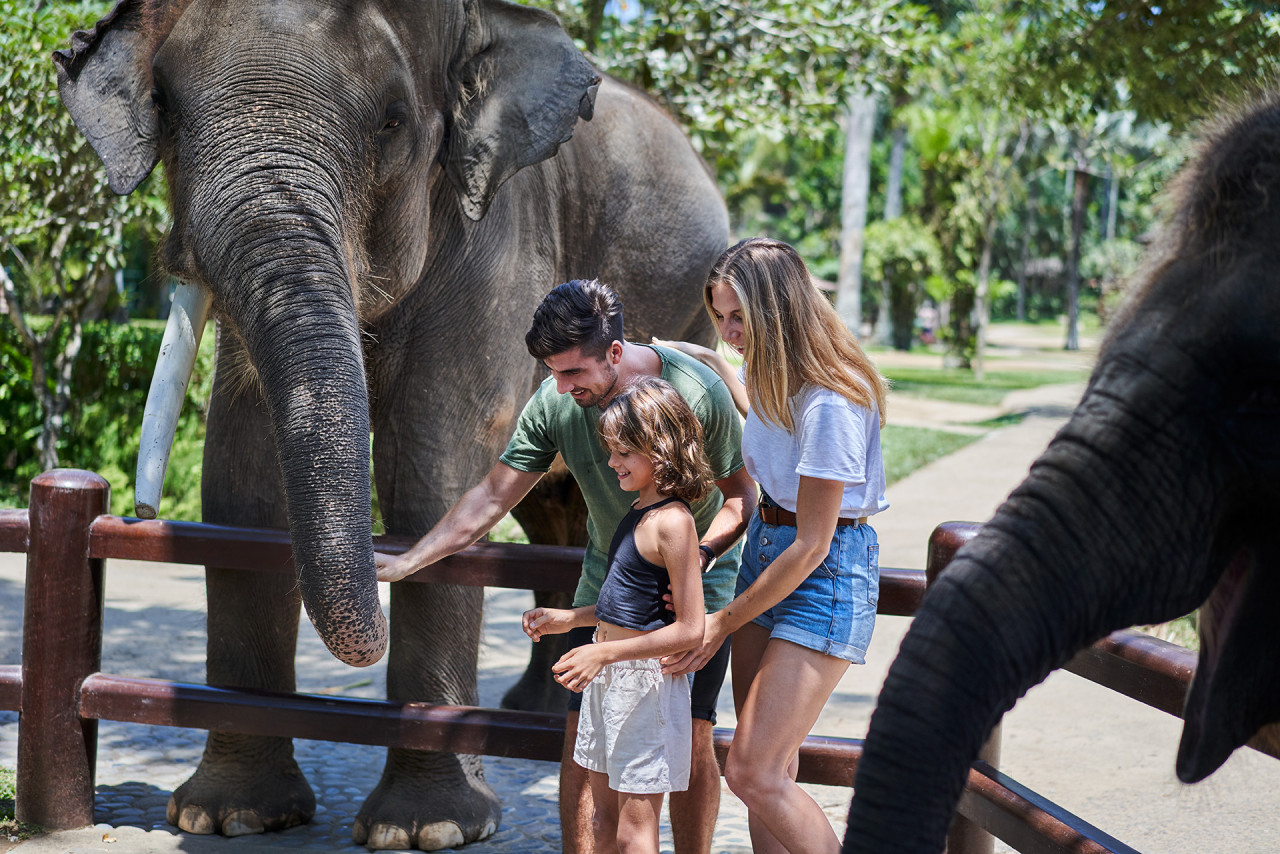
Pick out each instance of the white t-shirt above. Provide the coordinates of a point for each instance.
(834, 439)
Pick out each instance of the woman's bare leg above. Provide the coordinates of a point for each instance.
(790, 686)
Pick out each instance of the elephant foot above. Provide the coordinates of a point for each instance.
(445, 806)
(239, 797)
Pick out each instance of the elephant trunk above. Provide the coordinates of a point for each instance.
(1017, 602)
(285, 280)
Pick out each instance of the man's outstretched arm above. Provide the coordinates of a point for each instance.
(475, 513)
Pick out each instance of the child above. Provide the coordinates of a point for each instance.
(634, 733)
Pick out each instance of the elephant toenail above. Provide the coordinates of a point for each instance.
(442, 834)
(242, 823)
(384, 837)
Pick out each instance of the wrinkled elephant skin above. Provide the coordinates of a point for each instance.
(1156, 498)
(374, 197)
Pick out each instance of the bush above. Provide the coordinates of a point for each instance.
(104, 424)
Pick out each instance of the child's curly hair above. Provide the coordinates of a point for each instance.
(650, 417)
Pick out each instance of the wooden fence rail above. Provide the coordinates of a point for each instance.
(61, 695)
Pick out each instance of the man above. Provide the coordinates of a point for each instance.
(577, 334)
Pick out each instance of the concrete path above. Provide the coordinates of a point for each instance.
(1106, 758)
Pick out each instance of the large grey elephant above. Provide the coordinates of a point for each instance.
(374, 196)
(1158, 496)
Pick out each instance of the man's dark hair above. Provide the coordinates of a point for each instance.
(581, 313)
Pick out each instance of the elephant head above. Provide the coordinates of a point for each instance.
(306, 143)
(1157, 497)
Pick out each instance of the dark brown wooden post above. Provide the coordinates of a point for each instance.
(61, 645)
(965, 837)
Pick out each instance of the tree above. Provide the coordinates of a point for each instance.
(1087, 63)
(61, 231)
(733, 72)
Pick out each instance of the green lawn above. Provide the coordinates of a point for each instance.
(908, 448)
(960, 386)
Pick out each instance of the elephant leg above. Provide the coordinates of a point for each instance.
(245, 784)
(553, 514)
(429, 800)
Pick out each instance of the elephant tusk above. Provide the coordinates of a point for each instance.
(169, 383)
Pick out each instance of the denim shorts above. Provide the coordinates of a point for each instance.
(833, 611)
(635, 728)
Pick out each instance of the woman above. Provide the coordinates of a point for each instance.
(806, 596)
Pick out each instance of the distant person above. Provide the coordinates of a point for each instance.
(810, 578)
(634, 730)
(577, 333)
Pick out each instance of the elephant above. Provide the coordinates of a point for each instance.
(1156, 497)
(373, 197)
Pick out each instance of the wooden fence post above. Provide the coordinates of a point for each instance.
(965, 837)
(61, 645)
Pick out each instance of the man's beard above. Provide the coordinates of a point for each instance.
(599, 399)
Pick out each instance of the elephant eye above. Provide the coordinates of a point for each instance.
(394, 117)
(158, 99)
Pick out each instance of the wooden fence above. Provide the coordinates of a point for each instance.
(61, 695)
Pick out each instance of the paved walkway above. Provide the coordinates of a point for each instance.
(1100, 755)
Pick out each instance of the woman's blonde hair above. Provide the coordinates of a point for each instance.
(793, 335)
(649, 417)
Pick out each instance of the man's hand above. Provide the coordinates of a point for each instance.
(537, 622)
(693, 660)
(577, 667)
(393, 567)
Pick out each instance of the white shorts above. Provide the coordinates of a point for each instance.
(635, 727)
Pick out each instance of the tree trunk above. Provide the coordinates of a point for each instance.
(1024, 260)
(860, 123)
(894, 301)
(981, 306)
(893, 186)
(1079, 202)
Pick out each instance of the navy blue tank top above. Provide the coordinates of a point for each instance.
(631, 595)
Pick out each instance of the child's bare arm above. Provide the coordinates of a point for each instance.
(556, 621)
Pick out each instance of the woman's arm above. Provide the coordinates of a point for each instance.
(677, 545)
(716, 362)
(817, 509)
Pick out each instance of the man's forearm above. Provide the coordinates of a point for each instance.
(475, 513)
(730, 522)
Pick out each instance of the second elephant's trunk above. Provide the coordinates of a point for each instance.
(1040, 581)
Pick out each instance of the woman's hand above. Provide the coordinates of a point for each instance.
(714, 633)
(546, 621)
(577, 667)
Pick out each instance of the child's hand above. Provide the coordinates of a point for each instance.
(577, 667)
(546, 621)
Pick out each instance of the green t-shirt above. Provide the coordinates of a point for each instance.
(554, 423)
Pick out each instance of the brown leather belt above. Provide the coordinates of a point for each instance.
(771, 514)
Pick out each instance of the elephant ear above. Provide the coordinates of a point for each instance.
(522, 86)
(104, 79)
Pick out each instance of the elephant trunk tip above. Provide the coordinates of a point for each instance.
(362, 651)
(144, 510)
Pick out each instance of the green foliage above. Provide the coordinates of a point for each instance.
(105, 422)
(903, 251)
(1160, 60)
(760, 86)
(60, 227)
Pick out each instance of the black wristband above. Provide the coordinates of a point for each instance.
(711, 556)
